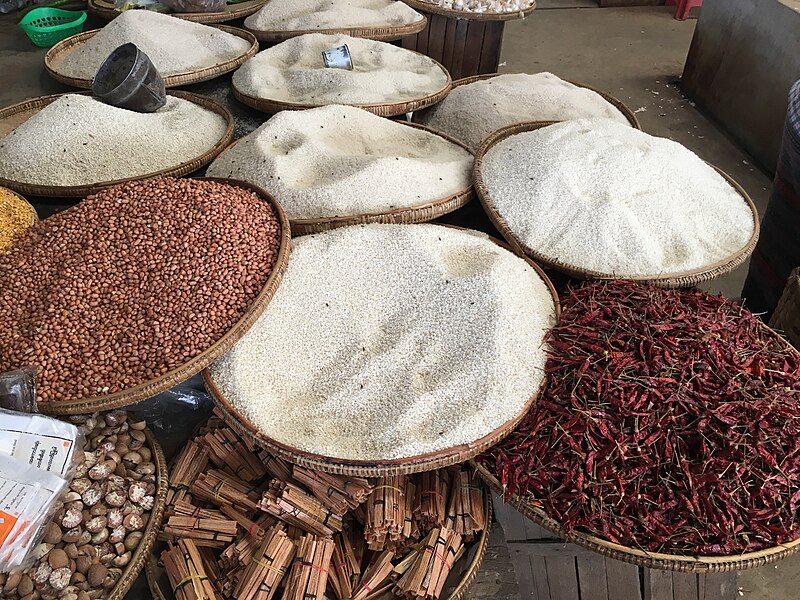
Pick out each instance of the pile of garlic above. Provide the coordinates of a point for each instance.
(485, 6)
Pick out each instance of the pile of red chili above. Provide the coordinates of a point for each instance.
(670, 422)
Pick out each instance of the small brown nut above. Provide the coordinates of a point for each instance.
(147, 503)
(133, 540)
(81, 471)
(85, 538)
(117, 534)
(78, 578)
(137, 425)
(12, 583)
(146, 453)
(115, 418)
(72, 519)
(84, 596)
(97, 574)
(41, 551)
(116, 482)
(145, 468)
(52, 534)
(72, 535)
(80, 485)
(59, 578)
(100, 537)
(122, 560)
(90, 459)
(104, 447)
(71, 550)
(136, 445)
(75, 505)
(96, 524)
(119, 548)
(138, 436)
(42, 573)
(25, 586)
(58, 559)
(137, 491)
(132, 522)
(114, 517)
(71, 496)
(121, 449)
(113, 455)
(121, 470)
(102, 470)
(115, 498)
(91, 496)
(98, 510)
(82, 564)
(133, 458)
(70, 596)
(86, 515)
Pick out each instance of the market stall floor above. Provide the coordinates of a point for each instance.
(637, 55)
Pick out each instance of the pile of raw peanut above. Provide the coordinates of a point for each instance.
(93, 536)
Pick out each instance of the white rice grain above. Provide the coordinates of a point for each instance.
(305, 15)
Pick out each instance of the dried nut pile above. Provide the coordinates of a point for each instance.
(91, 539)
(16, 215)
(132, 282)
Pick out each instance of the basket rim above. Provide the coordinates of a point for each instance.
(675, 279)
(170, 81)
(72, 191)
(384, 33)
(28, 22)
(388, 109)
(199, 362)
(408, 214)
(470, 573)
(397, 466)
(652, 560)
(142, 551)
(30, 207)
(106, 10)
(613, 100)
(467, 15)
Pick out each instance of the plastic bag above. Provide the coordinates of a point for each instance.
(42, 442)
(29, 497)
(195, 6)
(18, 390)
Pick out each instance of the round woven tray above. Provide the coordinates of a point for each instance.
(205, 358)
(434, 9)
(71, 43)
(21, 198)
(106, 10)
(651, 560)
(381, 34)
(378, 468)
(627, 112)
(412, 214)
(667, 280)
(454, 588)
(141, 553)
(13, 116)
(382, 110)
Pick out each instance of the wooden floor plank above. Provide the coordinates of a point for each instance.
(718, 586)
(623, 580)
(540, 584)
(562, 577)
(592, 577)
(657, 585)
(684, 586)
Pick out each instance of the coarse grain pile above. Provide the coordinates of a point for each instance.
(16, 215)
(293, 72)
(340, 160)
(93, 537)
(484, 6)
(670, 423)
(472, 111)
(276, 530)
(390, 341)
(174, 46)
(304, 15)
(78, 140)
(131, 283)
(599, 195)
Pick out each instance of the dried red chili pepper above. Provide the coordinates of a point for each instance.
(670, 422)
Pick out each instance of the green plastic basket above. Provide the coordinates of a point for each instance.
(48, 26)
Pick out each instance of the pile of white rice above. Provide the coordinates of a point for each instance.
(78, 140)
(602, 196)
(293, 72)
(173, 45)
(389, 341)
(305, 15)
(471, 112)
(340, 160)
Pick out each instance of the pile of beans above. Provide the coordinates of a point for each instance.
(16, 216)
(670, 422)
(131, 283)
(92, 538)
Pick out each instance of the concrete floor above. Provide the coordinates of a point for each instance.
(636, 54)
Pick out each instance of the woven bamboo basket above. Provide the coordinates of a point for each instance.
(434, 9)
(627, 112)
(201, 361)
(382, 110)
(381, 34)
(455, 587)
(378, 468)
(651, 560)
(71, 44)
(786, 317)
(15, 115)
(106, 10)
(413, 214)
(666, 280)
